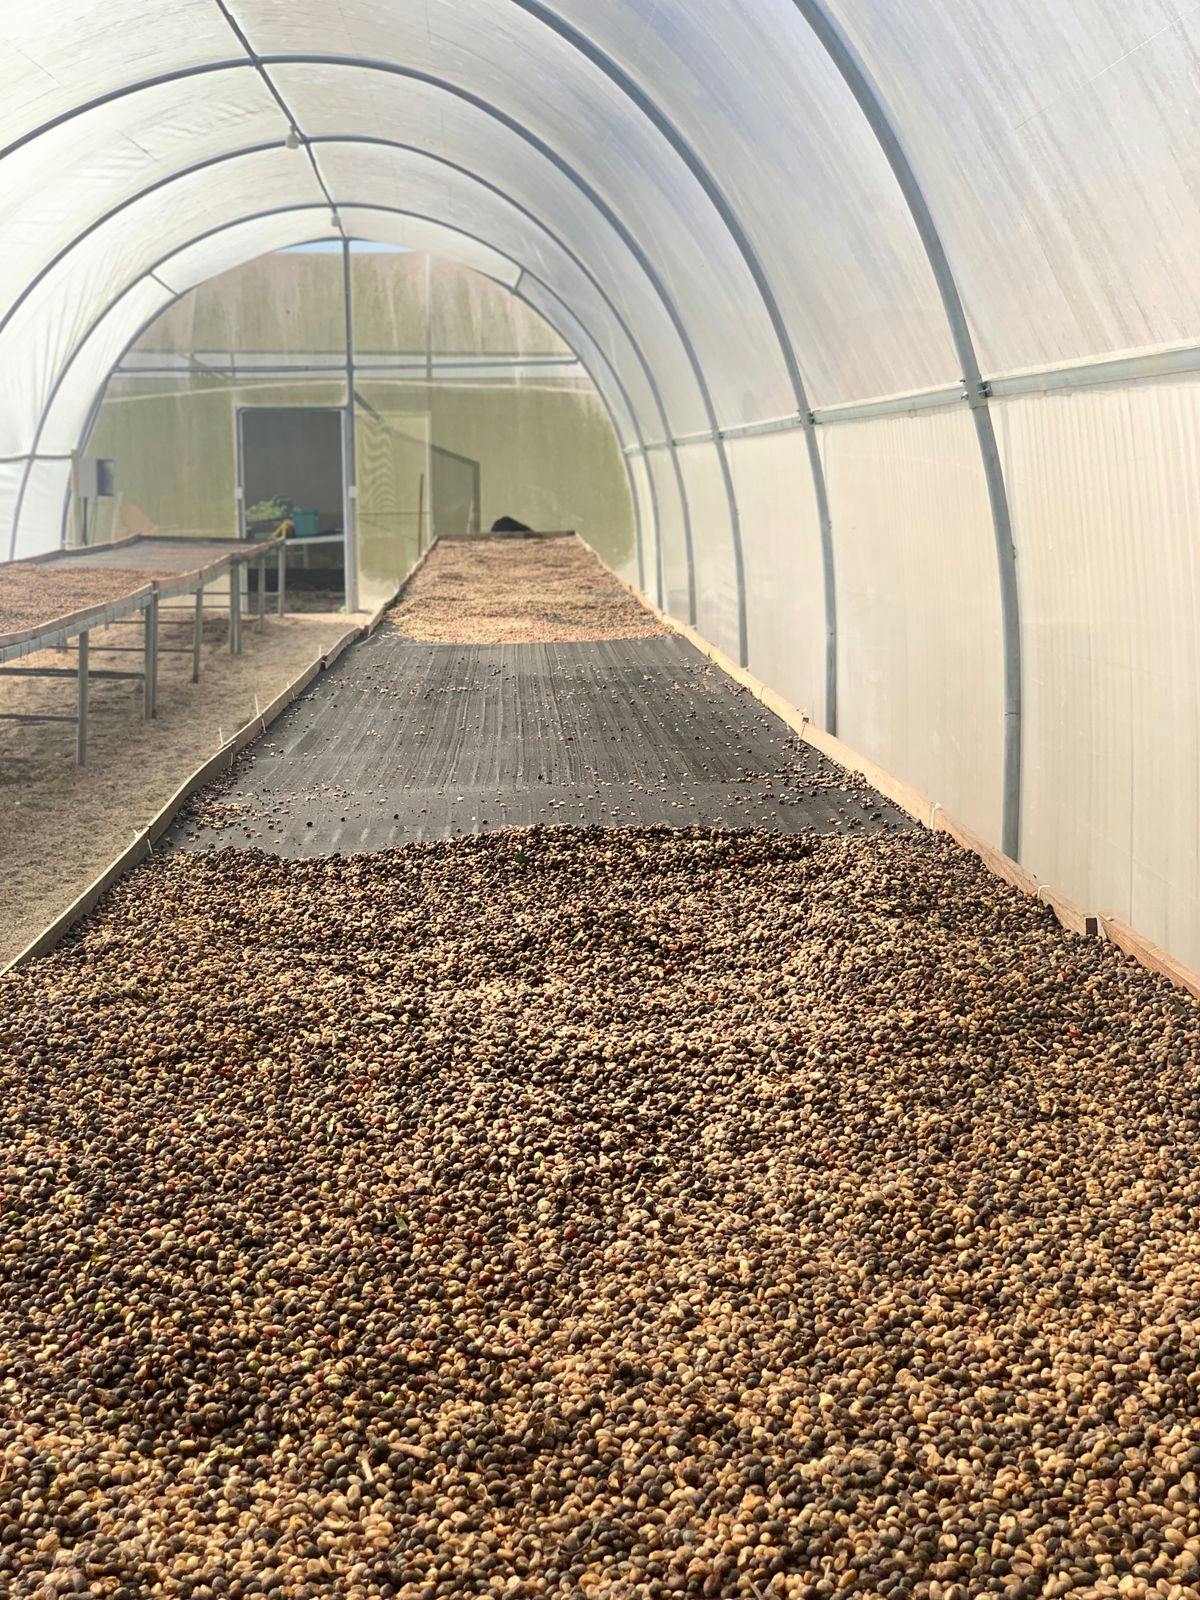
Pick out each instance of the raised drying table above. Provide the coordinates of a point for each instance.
(173, 575)
(188, 566)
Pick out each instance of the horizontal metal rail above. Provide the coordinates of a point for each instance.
(68, 672)
(1177, 362)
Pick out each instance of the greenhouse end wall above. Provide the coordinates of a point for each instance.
(444, 359)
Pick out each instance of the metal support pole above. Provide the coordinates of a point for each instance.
(235, 611)
(260, 567)
(197, 634)
(841, 51)
(351, 453)
(281, 577)
(81, 709)
(150, 661)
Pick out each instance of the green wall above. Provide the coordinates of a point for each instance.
(546, 450)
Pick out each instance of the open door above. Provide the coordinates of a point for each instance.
(291, 469)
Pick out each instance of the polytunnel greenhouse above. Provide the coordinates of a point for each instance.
(599, 799)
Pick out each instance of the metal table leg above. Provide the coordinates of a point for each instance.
(81, 706)
(150, 661)
(197, 634)
(235, 611)
(282, 575)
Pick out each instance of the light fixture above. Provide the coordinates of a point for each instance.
(293, 140)
(333, 220)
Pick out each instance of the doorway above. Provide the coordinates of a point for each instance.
(291, 468)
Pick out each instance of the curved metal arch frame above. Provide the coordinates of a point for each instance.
(413, 74)
(514, 290)
(387, 210)
(762, 283)
(870, 101)
(634, 497)
(439, 160)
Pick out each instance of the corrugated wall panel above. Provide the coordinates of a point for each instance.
(920, 655)
(45, 495)
(712, 543)
(784, 583)
(650, 533)
(674, 548)
(1105, 491)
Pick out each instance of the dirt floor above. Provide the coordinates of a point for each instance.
(32, 594)
(59, 828)
(514, 590)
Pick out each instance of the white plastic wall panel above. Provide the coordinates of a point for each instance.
(578, 113)
(55, 59)
(42, 337)
(1105, 487)
(54, 188)
(781, 536)
(920, 656)
(11, 473)
(712, 545)
(651, 527)
(41, 509)
(380, 175)
(82, 379)
(806, 178)
(674, 537)
(1057, 145)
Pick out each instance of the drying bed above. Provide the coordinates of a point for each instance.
(400, 742)
(614, 1213)
(33, 596)
(38, 594)
(542, 588)
(162, 555)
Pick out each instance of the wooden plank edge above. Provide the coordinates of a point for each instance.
(401, 589)
(77, 621)
(143, 844)
(1150, 955)
(930, 814)
(67, 550)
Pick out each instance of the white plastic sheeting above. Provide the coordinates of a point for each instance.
(919, 618)
(1105, 487)
(739, 213)
(784, 579)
